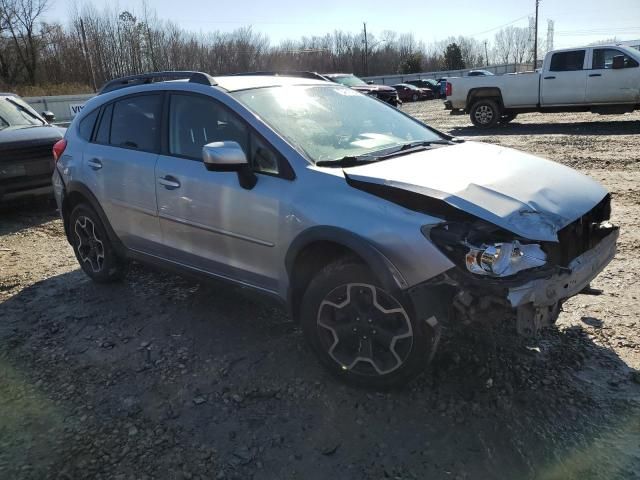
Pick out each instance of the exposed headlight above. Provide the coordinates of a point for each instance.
(485, 249)
(504, 259)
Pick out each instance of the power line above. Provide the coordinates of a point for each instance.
(501, 26)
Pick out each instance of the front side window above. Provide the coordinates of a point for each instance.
(331, 122)
(135, 122)
(603, 59)
(195, 121)
(567, 61)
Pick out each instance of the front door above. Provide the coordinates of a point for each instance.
(608, 85)
(208, 220)
(564, 83)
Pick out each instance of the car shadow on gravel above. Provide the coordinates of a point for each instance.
(165, 377)
(22, 215)
(631, 127)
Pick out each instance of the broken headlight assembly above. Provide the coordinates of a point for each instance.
(484, 249)
(504, 259)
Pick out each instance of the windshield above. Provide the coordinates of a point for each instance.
(15, 112)
(332, 122)
(350, 81)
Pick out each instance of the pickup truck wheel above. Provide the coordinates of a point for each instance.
(363, 333)
(485, 113)
(92, 247)
(507, 118)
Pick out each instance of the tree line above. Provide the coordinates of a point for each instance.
(97, 45)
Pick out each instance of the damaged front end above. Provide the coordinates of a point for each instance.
(500, 276)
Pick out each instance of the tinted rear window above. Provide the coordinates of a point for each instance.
(85, 128)
(567, 61)
(102, 134)
(136, 122)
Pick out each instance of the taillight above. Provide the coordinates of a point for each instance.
(449, 89)
(58, 149)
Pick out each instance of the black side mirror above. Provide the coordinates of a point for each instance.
(49, 116)
(370, 82)
(618, 62)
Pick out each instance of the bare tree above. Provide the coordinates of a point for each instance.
(19, 18)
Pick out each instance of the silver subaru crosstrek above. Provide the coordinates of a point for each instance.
(374, 229)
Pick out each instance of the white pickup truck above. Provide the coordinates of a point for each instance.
(603, 79)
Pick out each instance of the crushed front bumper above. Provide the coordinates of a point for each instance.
(544, 292)
(530, 304)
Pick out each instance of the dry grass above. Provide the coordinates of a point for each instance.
(50, 89)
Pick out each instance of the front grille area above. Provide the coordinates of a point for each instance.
(583, 234)
(42, 151)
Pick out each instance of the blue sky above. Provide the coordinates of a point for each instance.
(576, 21)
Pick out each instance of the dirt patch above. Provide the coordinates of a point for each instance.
(162, 377)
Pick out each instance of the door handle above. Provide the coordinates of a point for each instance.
(549, 78)
(95, 163)
(169, 182)
(595, 74)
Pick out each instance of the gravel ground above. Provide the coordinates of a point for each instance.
(162, 377)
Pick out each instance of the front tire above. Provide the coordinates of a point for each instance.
(363, 333)
(414, 97)
(92, 247)
(485, 113)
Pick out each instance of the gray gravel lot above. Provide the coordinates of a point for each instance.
(163, 377)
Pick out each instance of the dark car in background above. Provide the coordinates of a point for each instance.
(26, 142)
(479, 73)
(411, 93)
(429, 83)
(382, 92)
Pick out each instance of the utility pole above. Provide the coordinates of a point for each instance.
(87, 56)
(486, 54)
(366, 50)
(535, 39)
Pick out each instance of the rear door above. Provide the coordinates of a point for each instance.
(119, 166)
(606, 85)
(208, 220)
(565, 81)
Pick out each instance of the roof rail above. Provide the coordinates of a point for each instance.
(144, 78)
(284, 73)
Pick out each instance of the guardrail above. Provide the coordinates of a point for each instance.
(64, 107)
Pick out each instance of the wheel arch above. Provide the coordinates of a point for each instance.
(481, 93)
(76, 193)
(316, 247)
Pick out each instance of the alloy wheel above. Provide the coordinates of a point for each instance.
(364, 329)
(90, 248)
(483, 114)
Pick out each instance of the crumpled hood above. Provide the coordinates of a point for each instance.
(527, 195)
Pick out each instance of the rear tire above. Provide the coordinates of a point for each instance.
(92, 247)
(485, 113)
(361, 332)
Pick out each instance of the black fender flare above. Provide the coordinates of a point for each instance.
(78, 187)
(380, 265)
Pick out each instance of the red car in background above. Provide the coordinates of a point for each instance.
(411, 93)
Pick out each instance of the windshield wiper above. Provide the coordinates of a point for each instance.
(25, 110)
(413, 147)
(348, 161)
